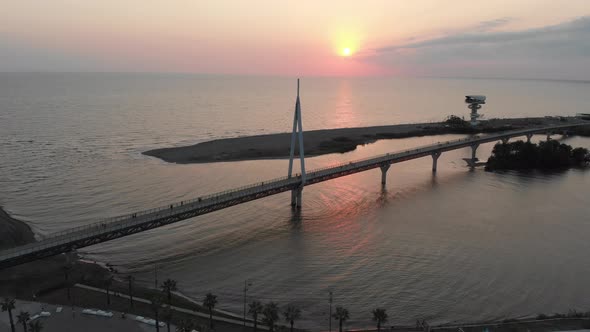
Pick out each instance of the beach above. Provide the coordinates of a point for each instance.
(320, 142)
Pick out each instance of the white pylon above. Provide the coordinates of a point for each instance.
(297, 131)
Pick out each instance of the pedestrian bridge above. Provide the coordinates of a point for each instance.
(116, 227)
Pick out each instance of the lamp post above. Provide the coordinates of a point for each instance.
(330, 317)
(156, 276)
(247, 283)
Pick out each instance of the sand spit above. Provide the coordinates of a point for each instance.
(319, 142)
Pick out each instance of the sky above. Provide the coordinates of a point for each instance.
(440, 38)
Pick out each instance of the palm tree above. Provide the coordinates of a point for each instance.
(380, 316)
(23, 317)
(8, 305)
(156, 303)
(210, 301)
(185, 326)
(130, 280)
(168, 287)
(341, 315)
(271, 315)
(35, 326)
(167, 315)
(107, 285)
(291, 314)
(255, 308)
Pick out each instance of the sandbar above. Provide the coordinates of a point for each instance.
(320, 142)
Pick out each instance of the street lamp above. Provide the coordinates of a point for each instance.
(156, 276)
(247, 283)
(330, 316)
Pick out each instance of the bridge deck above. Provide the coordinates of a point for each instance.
(124, 225)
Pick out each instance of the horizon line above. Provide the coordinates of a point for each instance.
(583, 81)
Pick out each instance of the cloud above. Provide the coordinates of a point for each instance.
(555, 51)
(493, 24)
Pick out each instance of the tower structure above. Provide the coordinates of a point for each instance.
(297, 135)
(475, 103)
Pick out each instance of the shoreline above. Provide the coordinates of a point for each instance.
(13, 232)
(326, 141)
(28, 280)
(44, 281)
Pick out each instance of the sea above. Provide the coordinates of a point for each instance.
(460, 245)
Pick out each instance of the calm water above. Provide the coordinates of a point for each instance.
(458, 246)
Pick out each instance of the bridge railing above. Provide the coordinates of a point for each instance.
(159, 212)
(53, 238)
(388, 156)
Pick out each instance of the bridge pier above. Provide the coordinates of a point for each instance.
(505, 140)
(528, 137)
(473, 151)
(384, 169)
(435, 156)
(296, 197)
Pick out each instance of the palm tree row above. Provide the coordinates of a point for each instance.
(342, 315)
(23, 318)
(291, 313)
(270, 313)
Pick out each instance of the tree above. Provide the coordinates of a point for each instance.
(107, 285)
(291, 314)
(130, 280)
(341, 315)
(156, 303)
(254, 309)
(67, 269)
(185, 325)
(271, 315)
(454, 120)
(8, 305)
(379, 316)
(23, 318)
(168, 287)
(167, 315)
(580, 155)
(35, 326)
(210, 301)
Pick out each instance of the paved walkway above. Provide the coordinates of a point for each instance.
(72, 320)
(179, 309)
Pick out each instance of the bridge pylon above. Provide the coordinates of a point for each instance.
(297, 133)
(435, 156)
(384, 169)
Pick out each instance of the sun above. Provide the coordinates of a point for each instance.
(346, 43)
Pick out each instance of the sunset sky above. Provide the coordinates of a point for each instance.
(459, 38)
